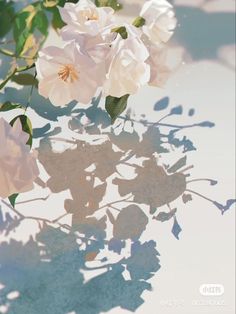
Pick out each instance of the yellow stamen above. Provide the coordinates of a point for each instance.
(92, 17)
(68, 72)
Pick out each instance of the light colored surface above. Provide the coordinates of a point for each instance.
(206, 252)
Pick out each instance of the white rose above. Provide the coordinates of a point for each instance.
(160, 72)
(160, 20)
(127, 68)
(85, 18)
(67, 74)
(97, 47)
(18, 167)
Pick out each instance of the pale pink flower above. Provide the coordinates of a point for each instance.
(97, 47)
(85, 18)
(160, 72)
(18, 167)
(67, 74)
(160, 20)
(128, 70)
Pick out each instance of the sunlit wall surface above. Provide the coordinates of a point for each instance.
(179, 262)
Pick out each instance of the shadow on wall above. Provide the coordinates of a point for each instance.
(46, 275)
(39, 104)
(203, 33)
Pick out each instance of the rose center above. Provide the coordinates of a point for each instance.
(68, 73)
(91, 16)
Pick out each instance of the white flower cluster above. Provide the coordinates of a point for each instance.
(99, 53)
(18, 167)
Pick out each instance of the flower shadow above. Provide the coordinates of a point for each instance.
(84, 267)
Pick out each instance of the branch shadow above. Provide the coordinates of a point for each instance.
(49, 274)
(52, 282)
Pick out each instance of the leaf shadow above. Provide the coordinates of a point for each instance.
(53, 279)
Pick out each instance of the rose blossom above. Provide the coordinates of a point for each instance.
(89, 26)
(85, 18)
(97, 47)
(18, 168)
(67, 74)
(128, 70)
(160, 72)
(160, 20)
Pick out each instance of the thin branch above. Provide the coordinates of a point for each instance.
(13, 55)
(16, 70)
(30, 94)
(8, 78)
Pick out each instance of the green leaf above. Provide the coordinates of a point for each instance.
(57, 22)
(40, 22)
(6, 106)
(114, 4)
(115, 106)
(139, 21)
(26, 127)
(50, 3)
(21, 31)
(121, 30)
(29, 19)
(12, 199)
(6, 17)
(25, 79)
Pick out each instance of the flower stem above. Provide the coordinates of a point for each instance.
(13, 55)
(30, 95)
